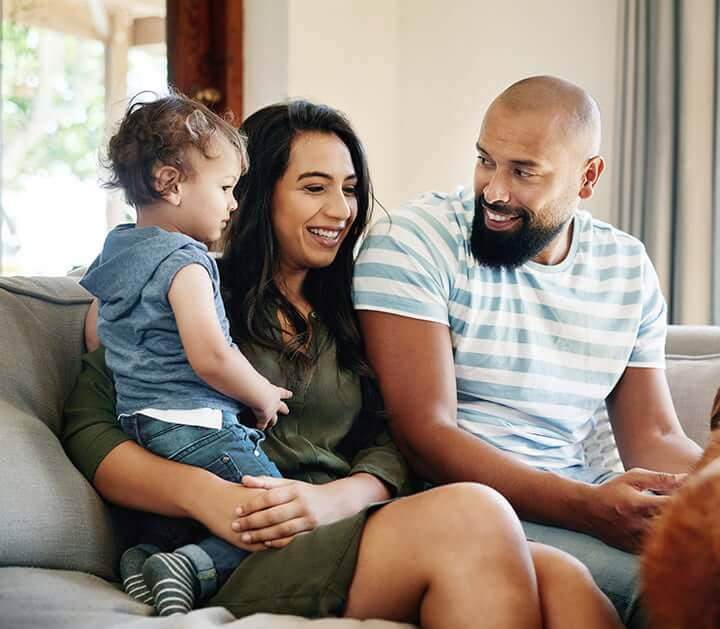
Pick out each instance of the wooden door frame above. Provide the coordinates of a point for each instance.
(205, 51)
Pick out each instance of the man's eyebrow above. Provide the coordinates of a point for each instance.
(515, 162)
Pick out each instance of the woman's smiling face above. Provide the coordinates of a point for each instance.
(314, 202)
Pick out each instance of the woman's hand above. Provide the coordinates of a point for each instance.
(214, 506)
(289, 507)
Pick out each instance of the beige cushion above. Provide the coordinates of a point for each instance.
(694, 381)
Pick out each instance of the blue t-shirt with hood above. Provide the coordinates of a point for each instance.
(131, 278)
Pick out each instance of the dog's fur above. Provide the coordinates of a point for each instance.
(680, 561)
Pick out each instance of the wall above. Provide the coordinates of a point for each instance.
(415, 76)
(266, 53)
(345, 53)
(455, 57)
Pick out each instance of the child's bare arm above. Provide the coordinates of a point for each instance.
(223, 367)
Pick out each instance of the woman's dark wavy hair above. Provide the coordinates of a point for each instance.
(250, 257)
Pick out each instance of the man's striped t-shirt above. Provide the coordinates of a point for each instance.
(536, 349)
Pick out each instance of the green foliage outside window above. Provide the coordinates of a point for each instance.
(53, 108)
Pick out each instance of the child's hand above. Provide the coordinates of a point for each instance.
(268, 403)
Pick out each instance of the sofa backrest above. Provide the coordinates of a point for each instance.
(41, 337)
(50, 516)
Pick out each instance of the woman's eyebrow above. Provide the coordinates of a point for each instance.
(314, 173)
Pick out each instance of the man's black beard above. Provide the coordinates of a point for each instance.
(509, 249)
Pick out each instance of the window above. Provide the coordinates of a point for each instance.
(68, 69)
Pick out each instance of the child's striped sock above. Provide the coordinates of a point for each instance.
(173, 581)
(131, 565)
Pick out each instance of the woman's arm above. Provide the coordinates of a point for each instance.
(382, 459)
(133, 477)
(128, 475)
(290, 507)
(378, 472)
(91, 338)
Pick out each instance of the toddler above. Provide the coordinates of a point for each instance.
(180, 381)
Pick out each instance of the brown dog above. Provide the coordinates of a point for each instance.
(680, 562)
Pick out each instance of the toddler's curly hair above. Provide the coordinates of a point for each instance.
(160, 132)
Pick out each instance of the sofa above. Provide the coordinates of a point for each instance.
(60, 543)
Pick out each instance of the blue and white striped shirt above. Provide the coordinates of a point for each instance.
(536, 349)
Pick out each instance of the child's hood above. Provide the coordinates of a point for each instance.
(129, 258)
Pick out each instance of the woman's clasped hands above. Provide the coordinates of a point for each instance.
(287, 508)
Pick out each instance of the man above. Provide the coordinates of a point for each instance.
(497, 323)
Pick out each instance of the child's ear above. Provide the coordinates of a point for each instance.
(168, 183)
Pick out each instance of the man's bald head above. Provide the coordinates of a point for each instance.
(538, 157)
(566, 104)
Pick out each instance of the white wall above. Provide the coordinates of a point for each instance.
(456, 56)
(415, 76)
(266, 53)
(345, 53)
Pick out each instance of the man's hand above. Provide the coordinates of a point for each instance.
(620, 509)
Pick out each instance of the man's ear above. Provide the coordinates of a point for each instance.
(168, 183)
(593, 169)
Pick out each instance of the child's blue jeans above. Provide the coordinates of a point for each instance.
(229, 452)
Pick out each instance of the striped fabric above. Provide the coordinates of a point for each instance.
(538, 348)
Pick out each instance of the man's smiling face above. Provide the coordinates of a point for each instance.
(528, 176)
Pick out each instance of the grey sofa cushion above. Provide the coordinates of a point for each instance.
(58, 599)
(41, 342)
(51, 516)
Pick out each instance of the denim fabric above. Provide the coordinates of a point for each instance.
(214, 561)
(615, 571)
(230, 453)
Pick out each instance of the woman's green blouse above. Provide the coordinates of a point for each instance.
(303, 444)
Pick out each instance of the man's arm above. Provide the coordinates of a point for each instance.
(647, 431)
(414, 363)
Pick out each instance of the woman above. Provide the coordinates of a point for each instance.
(453, 556)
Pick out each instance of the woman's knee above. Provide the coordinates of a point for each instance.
(471, 511)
